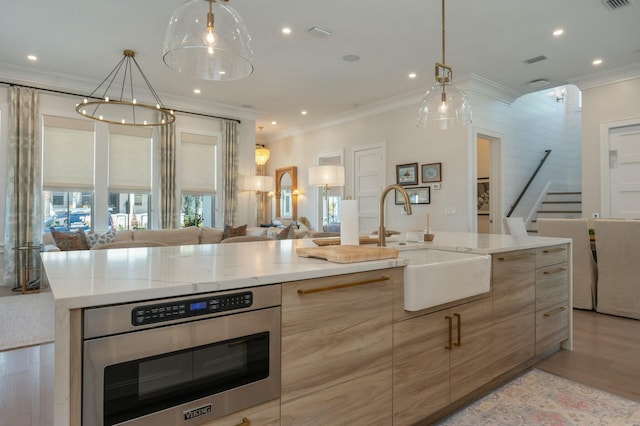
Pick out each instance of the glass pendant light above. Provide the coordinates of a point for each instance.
(208, 40)
(444, 106)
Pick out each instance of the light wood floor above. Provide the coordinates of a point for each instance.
(606, 356)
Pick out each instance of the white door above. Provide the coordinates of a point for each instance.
(369, 179)
(624, 172)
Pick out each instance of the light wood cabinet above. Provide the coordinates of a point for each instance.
(337, 349)
(438, 358)
(513, 286)
(267, 414)
(552, 297)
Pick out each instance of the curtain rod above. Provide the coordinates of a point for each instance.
(61, 92)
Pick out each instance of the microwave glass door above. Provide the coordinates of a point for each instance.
(135, 388)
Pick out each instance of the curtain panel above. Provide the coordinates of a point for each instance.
(23, 215)
(229, 171)
(169, 199)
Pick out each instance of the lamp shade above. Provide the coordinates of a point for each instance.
(257, 183)
(208, 40)
(326, 175)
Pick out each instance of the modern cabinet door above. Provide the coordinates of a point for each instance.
(420, 367)
(337, 349)
(471, 351)
(439, 358)
(513, 286)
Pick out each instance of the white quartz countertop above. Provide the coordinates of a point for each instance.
(100, 277)
(92, 278)
(475, 243)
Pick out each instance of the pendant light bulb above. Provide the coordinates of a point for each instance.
(210, 37)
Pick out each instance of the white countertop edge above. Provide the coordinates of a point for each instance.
(173, 289)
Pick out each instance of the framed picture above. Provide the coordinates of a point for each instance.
(483, 196)
(431, 172)
(407, 174)
(419, 195)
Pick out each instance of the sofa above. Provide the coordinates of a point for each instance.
(169, 237)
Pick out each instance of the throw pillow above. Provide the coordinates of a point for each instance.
(67, 241)
(285, 234)
(230, 231)
(97, 239)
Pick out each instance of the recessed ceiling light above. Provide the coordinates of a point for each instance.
(32, 57)
(303, 112)
(286, 30)
(196, 91)
(413, 75)
(274, 122)
(597, 61)
(351, 58)
(558, 32)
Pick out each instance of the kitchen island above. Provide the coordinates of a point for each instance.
(95, 278)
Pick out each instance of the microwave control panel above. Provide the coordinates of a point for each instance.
(160, 312)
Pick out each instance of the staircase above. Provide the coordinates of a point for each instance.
(559, 205)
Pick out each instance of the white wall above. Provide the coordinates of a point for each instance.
(530, 125)
(610, 102)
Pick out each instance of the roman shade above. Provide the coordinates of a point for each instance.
(198, 163)
(68, 153)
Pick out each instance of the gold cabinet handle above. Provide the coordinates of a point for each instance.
(245, 422)
(459, 319)
(450, 345)
(554, 250)
(516, 256)
(555, 311)
(339, 286)
(554, 271)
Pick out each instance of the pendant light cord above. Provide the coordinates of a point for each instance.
(443, 61)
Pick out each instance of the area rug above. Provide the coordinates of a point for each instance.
(539, 398)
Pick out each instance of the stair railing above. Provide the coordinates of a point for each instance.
(533, 176)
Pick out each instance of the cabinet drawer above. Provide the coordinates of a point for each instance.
(552, 285)
(552, 326)
(267, 414)
(546, 256)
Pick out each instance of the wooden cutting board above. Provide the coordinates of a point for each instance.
(335, 241)
(348, 254)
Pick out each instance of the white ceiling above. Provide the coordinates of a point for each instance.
(79, 41)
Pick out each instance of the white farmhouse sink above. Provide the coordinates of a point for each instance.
(435, 277)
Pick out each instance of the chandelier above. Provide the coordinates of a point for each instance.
(114, 100)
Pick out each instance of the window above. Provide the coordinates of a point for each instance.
(68, 173)
(129, 183)
(198, 179)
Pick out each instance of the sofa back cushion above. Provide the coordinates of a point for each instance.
(210, 235)
(171, 237)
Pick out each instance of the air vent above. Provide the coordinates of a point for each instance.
(534, 84)
(616, 4)
(534, 60)
(318, 32)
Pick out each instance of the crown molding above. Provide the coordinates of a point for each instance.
(473, 83)
(604, 78)
(487, 88)
(73, 85)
